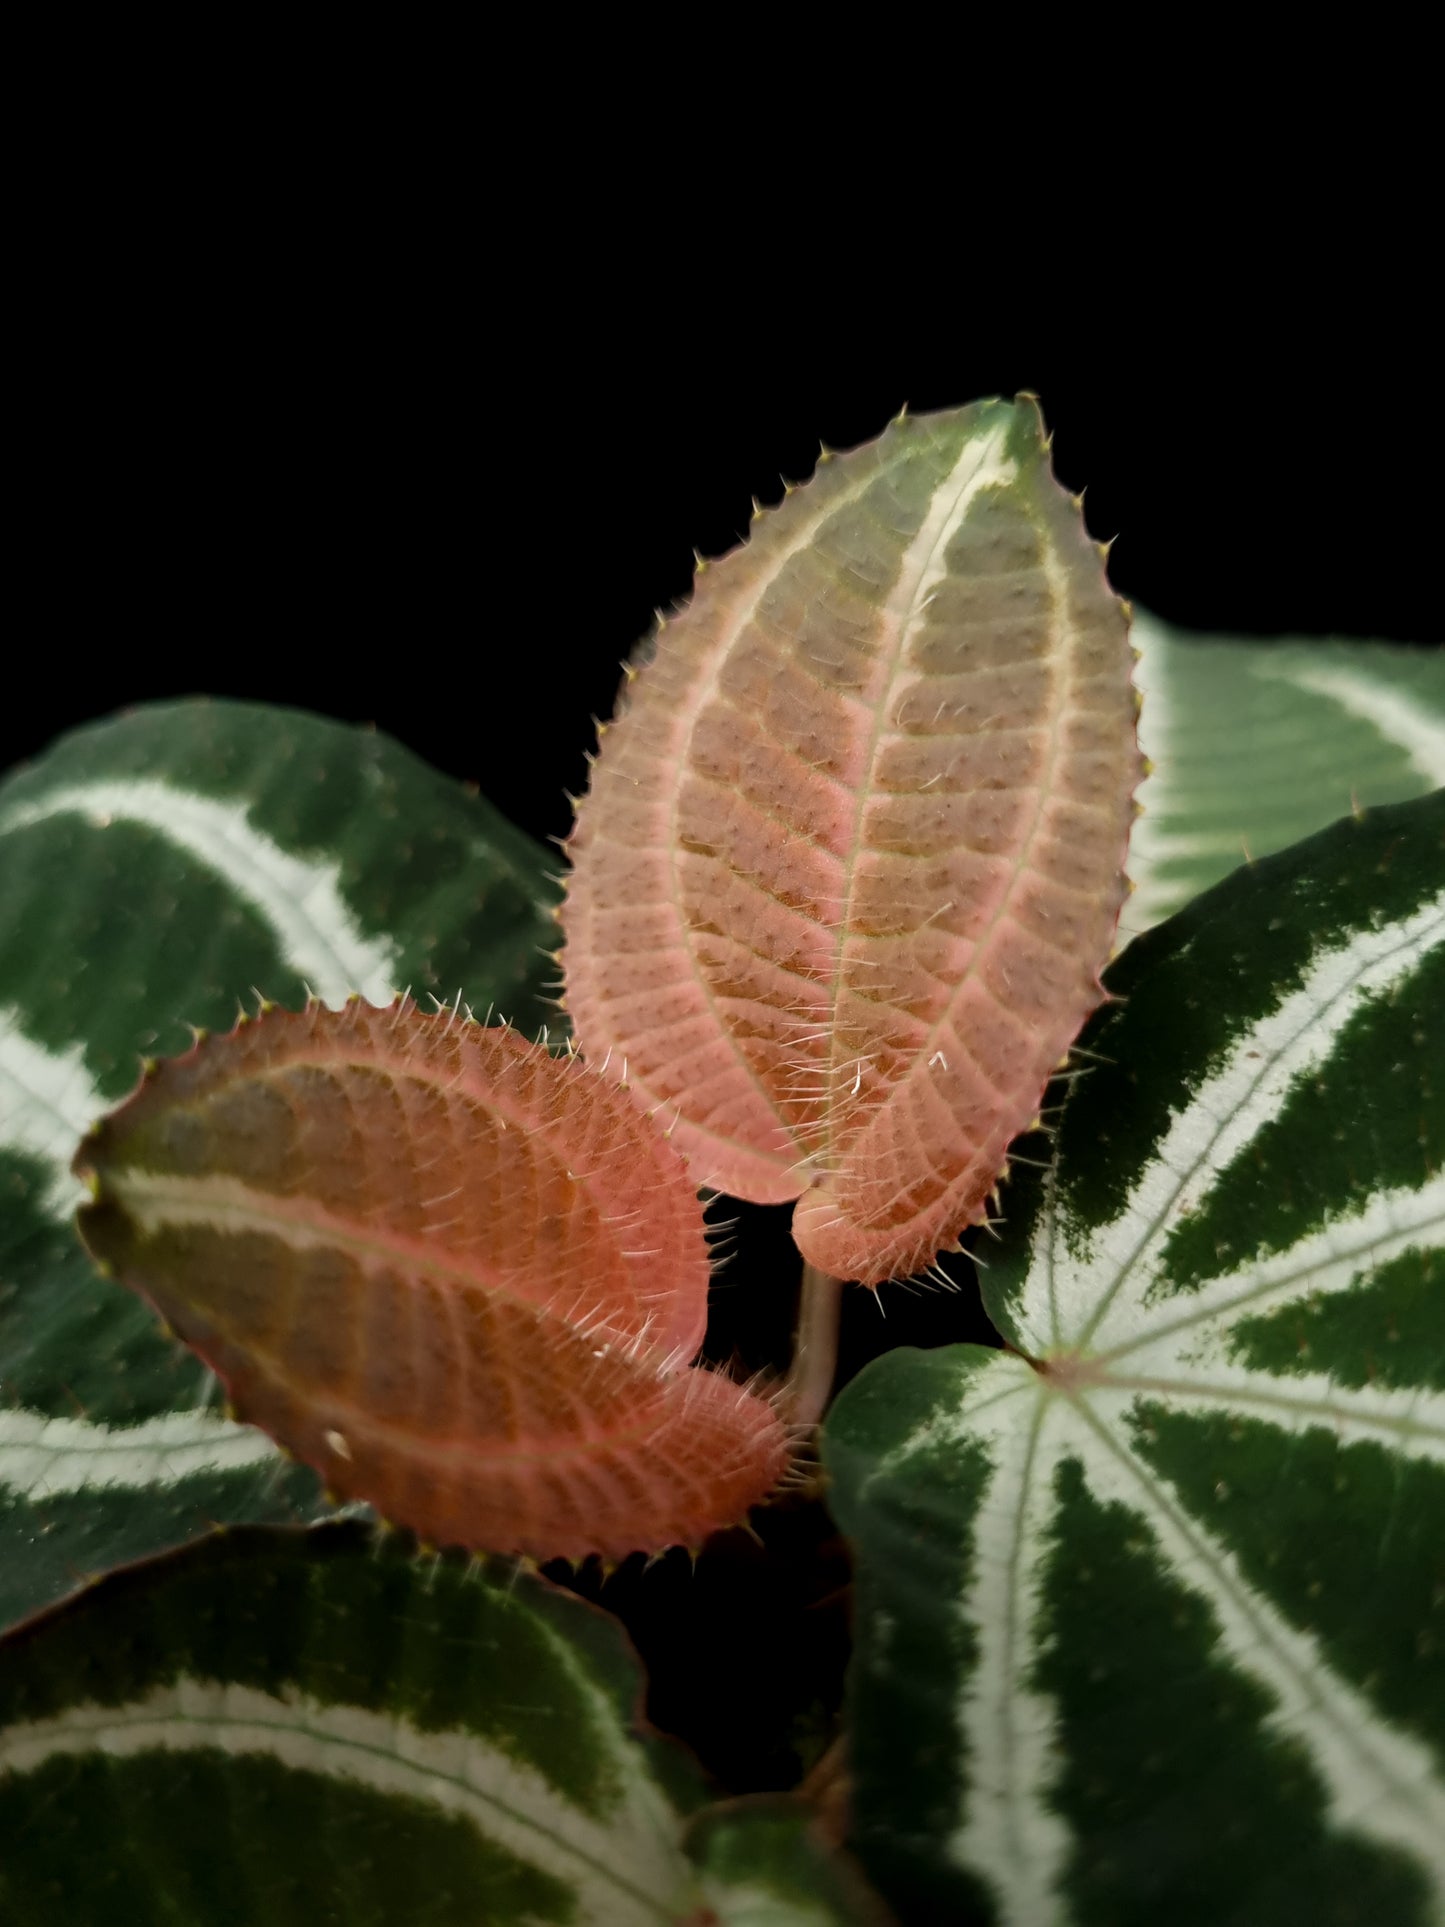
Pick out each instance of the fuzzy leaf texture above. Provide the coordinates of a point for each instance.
(274, 1729)
(1151, 1610)
(156, 871)
(461, 1278)
(852, 855)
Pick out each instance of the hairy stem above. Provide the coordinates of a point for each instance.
(815, 1349)
(827, 1791)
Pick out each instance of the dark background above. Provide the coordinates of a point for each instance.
(445, 495)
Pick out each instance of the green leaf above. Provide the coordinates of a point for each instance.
(277, 1728)
(1257, 744)
(1151, 1612)
(762, 1866)
(154, 871)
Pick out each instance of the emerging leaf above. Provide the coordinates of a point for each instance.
(1156, 1603)
(852, 856)
(458, 1276)
(275, 1727)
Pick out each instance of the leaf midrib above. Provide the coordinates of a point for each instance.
(1155, 1494)
(1151, 1226)
(1228, 1395)
(470, 1793)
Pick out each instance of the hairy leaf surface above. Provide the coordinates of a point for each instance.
(1152, 1611)
(852, 855)
(154, 871)
(1257, 744)
(272, 1730)
(460, 1277)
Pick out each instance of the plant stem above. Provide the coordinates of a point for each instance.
(815, 1349)
(826, 1789)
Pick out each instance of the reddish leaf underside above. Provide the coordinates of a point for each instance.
(461, 1278)
(852, 856)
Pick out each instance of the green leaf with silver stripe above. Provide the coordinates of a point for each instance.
(1257, 744)
(276, 1728)
(1151, 1609)
(154, 871)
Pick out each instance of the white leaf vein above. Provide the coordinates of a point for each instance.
(623, 1869)
(301, 900)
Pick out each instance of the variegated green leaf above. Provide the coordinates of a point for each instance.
(154, 871)
(1256, 744)
(1152, 1609)
(279, 1729)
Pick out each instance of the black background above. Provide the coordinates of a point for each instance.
(417, 474)
(444, 492)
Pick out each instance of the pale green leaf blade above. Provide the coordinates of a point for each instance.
(1162, 1593)
(1257, 744)
(279, 1728)
(762, 1864)
(155, 871)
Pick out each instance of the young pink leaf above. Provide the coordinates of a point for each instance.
(852, 856)
(461, 1278)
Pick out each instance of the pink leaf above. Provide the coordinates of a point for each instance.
(462, 1279)
(852, 857)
